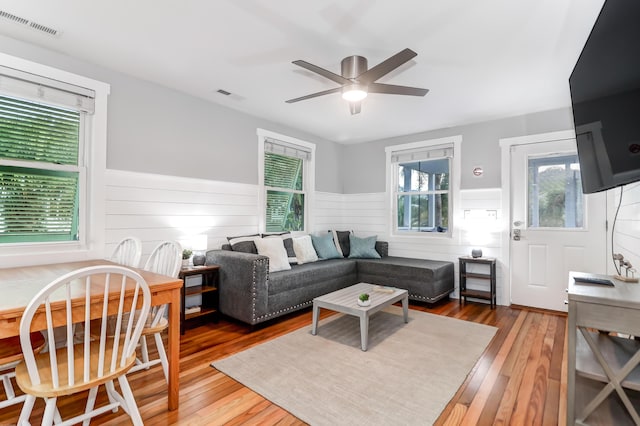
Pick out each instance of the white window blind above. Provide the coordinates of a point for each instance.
(423, 153)
(39, 171)
(275, 146)
(41, 89)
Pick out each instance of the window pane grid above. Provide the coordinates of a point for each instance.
(36, 132)
(37, 205)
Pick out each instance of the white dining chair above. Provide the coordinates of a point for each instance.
(128, 252)
(101, 358)
(165, 259)
(10, 356)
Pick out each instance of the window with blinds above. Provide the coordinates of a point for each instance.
(284, 183)
(40, 172)
(422, 188)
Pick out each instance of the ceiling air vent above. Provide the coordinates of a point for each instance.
(30, 24)
(223, 92)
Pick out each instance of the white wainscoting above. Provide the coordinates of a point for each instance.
(156, 208)
(626, 238)
(368, 214)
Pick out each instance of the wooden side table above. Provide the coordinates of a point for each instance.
(490, 275)
(208, 290)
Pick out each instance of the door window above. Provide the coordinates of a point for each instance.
(554, 196)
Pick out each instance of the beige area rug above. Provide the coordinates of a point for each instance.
(406, 377)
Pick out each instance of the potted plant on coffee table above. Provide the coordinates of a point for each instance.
(364, 300)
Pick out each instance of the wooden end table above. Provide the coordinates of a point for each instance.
(208, 290)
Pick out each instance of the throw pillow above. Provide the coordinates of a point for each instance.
(341, 239)
(244, 244)
(363, 248)
(288, 244)
(325, 247)
(274, 249)
(303, 247)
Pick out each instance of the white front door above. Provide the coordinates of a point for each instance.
(554, 227)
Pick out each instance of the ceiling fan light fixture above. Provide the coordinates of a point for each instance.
(354, 92)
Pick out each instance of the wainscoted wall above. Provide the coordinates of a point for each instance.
(157, 207)
(478, 223)
(626, 238)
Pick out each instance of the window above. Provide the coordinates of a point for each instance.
(554, 192)
(286, 174)
(40, 172)
(421, 187)
(52, 163)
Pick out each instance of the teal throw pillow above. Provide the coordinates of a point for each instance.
(325, 247)
(363, 248)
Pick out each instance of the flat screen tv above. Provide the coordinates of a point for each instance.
(605, 96)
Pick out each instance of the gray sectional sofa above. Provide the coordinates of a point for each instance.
(250, 293)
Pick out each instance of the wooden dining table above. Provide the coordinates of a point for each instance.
(19, 285)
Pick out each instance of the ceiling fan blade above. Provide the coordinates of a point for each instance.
(386, 66)
(391, 89)
(355, 107)
(314, 95)
(327, 74)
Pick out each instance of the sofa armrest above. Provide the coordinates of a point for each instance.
(243, 283)
(382, 247)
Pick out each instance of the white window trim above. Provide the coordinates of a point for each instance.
(454, 182)
(309, 177)
(92, 219)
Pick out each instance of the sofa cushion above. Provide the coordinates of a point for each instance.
(426, 280)
(341, 239)
(309, 274)
(274, 249)
(325, 247)
(303, 248)
(244, 243)
(288, 244)
(363, 248)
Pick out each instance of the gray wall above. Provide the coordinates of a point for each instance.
(154, 129)
(363, 165)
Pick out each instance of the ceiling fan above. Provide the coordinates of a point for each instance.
(357, 81)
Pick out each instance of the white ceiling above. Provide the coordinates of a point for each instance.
(481, 60)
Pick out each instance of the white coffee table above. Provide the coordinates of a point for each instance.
(346, 302)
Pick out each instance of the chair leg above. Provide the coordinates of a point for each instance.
(8, 387)
(91, 402)
(132, 407)
(144, 350)
(25, 413)
(49, 411)
(162, 354)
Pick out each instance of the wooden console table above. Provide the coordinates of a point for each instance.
(603, 383)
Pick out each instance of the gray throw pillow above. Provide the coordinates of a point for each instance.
(244, 244)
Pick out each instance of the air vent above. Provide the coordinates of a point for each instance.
(30, 24)
(223, 92)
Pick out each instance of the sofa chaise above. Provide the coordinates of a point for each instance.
(250, 293)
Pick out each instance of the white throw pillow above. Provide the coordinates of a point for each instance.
(274, 249)
(305, 253)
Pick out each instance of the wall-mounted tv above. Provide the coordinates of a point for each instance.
(605, 95)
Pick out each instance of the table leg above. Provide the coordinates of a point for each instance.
(314, 326)
(174, 350)
(405, 308)
(364, 330)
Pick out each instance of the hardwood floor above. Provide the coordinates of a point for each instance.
(520, 379)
